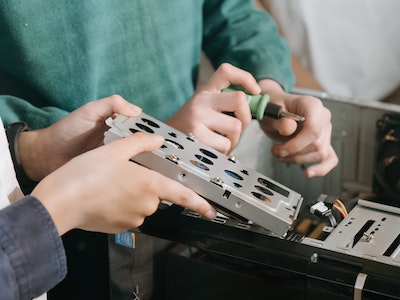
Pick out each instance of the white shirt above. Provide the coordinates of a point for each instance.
(9, 188)
(351, 47)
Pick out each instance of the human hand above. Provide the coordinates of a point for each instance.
(102, 190)
(308, 142)
(42, 151)
(204, 114)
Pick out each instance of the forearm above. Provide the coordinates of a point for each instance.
(33, 155)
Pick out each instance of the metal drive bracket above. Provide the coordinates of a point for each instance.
(232, 187)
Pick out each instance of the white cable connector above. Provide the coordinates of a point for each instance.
(319, 209)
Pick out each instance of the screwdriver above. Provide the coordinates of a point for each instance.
(260, 106)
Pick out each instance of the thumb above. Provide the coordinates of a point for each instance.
(228, 74)
(139, 142)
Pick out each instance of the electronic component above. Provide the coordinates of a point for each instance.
(233, 188)
(319, 209)
(326, 206)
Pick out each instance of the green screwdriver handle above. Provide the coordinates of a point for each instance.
(257, 103)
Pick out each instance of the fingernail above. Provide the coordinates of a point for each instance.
(311, 174)
(283, 153)
(136, 109)
(158, 137)
(211, 214)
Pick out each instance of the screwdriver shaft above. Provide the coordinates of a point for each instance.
(275, 111)
(292, 116)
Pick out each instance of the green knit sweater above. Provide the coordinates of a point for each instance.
(57, 55)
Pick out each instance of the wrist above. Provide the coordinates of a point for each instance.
(14, 131)
(48, 193)
(30, 155)
(270, 86)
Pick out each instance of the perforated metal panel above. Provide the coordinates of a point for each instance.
(231, 186)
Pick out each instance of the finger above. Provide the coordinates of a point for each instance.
(108, 106)
(305, 137)
(134, 144)
(225, 127)
(284, 127)
(228, 74)
(317, 126)
(208, 135)
(318, 150)
(177, 193)
(323, 167)
(302, 158)
(236, 103)
(230, 127)
(215, 140)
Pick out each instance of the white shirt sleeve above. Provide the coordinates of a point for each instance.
(9, 187)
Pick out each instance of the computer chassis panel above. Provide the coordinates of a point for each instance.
(366, 269)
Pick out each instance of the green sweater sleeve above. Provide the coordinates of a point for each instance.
(235, 32)
(20, 110)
